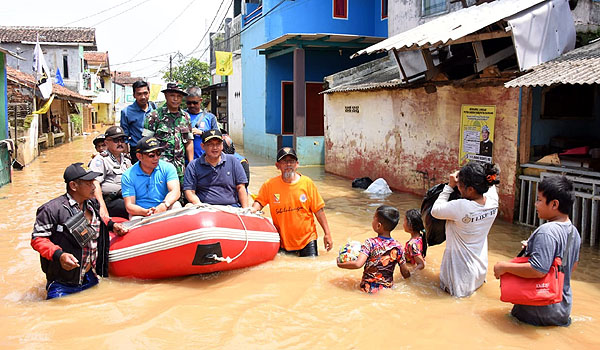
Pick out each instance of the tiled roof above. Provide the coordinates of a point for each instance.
(580, 66)
(59, 91)
(95, 56)
(48, 34)
(126, 80)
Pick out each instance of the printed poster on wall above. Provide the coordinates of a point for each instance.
(476, 133)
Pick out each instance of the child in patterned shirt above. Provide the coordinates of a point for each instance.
(416, 247)
(380, 254)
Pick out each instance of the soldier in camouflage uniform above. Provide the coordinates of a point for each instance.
(173, 129)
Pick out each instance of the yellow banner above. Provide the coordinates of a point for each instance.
(154, 91)
(224, 65)
(476, 133)
(45, 107)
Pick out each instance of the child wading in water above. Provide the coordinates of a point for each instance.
(416, 247)
(557, 237)
(380, 254)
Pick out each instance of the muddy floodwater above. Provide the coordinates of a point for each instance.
(287, 303)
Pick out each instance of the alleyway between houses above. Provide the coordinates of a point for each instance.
(287, 303)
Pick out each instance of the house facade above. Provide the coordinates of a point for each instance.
(63, 49)
(51, 125)
(417, 100)
(287, 48)
(96, 82)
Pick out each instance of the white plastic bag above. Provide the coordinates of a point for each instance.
(379, 186)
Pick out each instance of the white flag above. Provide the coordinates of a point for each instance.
(44, 82)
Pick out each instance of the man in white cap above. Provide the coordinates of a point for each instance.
(294, 200)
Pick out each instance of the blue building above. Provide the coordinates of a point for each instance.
(288, 47)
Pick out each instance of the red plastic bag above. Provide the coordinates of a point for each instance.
(533, 291)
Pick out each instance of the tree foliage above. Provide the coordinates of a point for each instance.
(190, 72)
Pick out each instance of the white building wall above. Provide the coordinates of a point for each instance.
(234, 102)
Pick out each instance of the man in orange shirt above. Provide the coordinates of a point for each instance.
(293, 199)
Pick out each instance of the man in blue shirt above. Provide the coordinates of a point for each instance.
(151, 186)
(132, 117)
(215, 177)
(201, 121)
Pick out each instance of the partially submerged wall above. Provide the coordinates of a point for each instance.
(411, 138)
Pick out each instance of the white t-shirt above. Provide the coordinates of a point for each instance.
(468, 223)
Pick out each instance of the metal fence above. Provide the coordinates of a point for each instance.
(584, 213)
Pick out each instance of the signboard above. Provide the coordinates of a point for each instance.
(476, 133)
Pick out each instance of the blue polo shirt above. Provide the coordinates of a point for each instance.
(132, 121)
(202, 121)
(215, 185)
(149, 190)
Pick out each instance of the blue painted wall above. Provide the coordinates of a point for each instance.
(542, 130)
(318, 64)
(262, 78)
(316, 16)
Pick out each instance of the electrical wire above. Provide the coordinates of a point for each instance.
(251, 24)
(142, 59)
(211, 23)
(96, 14)
(120, 13)
(207, 31)
(164, 30)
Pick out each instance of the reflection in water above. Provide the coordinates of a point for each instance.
(286, 303)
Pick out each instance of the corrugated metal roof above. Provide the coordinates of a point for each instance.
(580, 66)
(451, 26)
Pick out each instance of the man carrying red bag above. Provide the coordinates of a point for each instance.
(558, 237)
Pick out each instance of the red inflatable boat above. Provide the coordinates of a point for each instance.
(192, 240)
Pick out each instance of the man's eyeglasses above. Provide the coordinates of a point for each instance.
(153, 154)
(191, 102)
(117, 140)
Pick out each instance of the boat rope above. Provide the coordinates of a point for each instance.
(229, 259)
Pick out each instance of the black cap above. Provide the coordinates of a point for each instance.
(114, 131)
(286, 151)
(79, 171)
(174, 87)
(99, 138)
(147, 144)
(211, 134)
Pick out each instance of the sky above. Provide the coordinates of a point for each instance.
(130, 30)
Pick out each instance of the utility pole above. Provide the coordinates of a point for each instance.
(171, 67)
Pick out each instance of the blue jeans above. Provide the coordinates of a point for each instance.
(57, 289)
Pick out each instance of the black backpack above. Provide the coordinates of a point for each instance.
(435, 229)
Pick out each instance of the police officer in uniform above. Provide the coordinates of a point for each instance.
(111, 165)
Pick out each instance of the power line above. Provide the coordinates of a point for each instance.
(250, 25)
(120, 13)
(97, 13)
(222, 21)
(207, 31)
(164, 30)
(211, 23)
(141, 59)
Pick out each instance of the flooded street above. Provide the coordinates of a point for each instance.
(287, 303)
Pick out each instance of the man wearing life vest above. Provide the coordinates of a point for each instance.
(293, 199)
